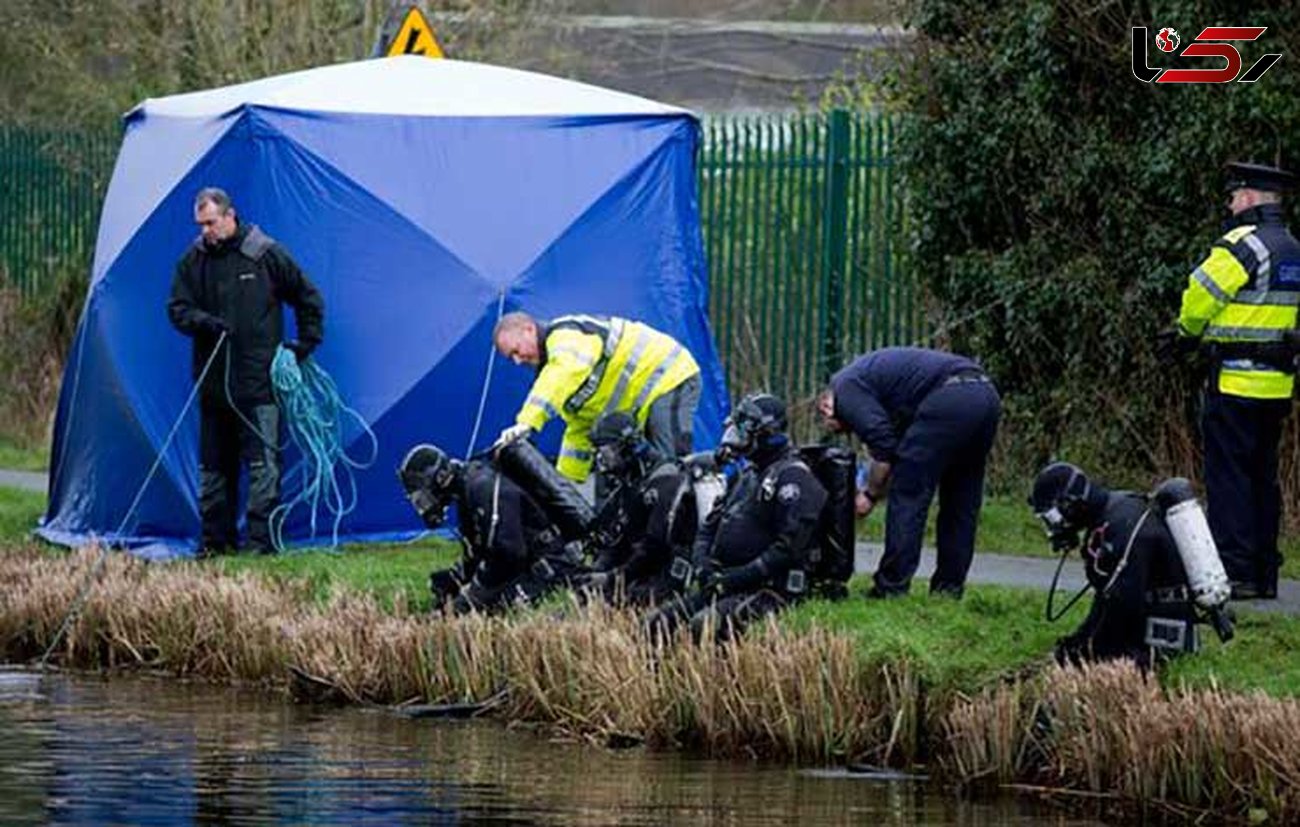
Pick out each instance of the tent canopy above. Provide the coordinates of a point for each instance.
(424, 198)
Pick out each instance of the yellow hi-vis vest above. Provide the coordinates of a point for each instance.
(1236, 297)
(593, 365)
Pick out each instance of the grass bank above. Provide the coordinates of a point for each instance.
(19, 511)
(17, 456)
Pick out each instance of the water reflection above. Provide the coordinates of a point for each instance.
(142, 751)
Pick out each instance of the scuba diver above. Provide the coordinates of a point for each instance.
(752, 556)
(1150, 559)
(649, 514)
(514, 549)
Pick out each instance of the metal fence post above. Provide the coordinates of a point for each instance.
(835, 240)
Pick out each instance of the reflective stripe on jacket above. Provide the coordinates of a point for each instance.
(593, 365)
(1246, 292)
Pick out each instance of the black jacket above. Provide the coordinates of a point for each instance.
(767, 522)
(242, 281)
(505, 530)
(877, 394)
(645, 522)
(1130, 558)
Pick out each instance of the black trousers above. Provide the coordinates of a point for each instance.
(226, 443)
(945, 450)
(1244, 500)
(724, 618)
(530, 586)
(646, 592)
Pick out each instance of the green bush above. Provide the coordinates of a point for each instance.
(1049, 184)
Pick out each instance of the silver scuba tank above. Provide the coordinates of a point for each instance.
(707, 482)
(1206, 579)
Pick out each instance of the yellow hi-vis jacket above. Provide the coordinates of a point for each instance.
(1244, 295)
(593, 365)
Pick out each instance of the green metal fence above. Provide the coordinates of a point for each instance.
(801, 230)
(52, 183)
(800, 227)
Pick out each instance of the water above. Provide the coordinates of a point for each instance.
(152, 751)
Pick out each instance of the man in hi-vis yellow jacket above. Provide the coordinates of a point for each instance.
(591, 365)
(1240, 307)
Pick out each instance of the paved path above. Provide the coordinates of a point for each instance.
(1036, 572)
(1032, 572)
(26, 480)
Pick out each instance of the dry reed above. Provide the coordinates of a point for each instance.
(590, 671)
(1111, 730)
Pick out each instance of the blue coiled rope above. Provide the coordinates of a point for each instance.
(314, 415)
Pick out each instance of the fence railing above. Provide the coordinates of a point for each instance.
(799, 217)
(52, 184)
(801, 227)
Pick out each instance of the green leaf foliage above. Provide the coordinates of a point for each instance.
(1053, 187)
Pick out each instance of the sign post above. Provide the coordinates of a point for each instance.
(414, 36)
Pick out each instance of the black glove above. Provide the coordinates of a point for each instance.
(733, 580)
(1173, 345)
(214, 326)
(301, 350)
(444, 585)
(702, 572)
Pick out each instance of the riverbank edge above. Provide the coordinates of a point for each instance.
(807, 696)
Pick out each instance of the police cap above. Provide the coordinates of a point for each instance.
(1240, 175)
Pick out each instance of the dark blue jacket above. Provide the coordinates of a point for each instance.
(877, 394)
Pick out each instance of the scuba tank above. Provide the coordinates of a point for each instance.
(1206, 579)
(836, 469)
(707, 482)
(559, 498)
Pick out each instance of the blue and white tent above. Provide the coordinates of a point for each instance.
(424, 197)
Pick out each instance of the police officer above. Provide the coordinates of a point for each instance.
(928, 419)
(648, 519)
(513, 553)
(227, 291)
(589, 365)
(752, 555)
(1241, 303)
(1134, 548)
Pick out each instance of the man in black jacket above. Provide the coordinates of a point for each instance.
(929, 419)
(753, 554)
(227, 295)
(513, 553)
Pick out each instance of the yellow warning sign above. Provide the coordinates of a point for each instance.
(414, 37)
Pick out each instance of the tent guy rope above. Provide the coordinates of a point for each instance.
(106, 546)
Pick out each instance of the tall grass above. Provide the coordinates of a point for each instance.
(798, 691)
(1111, 730)
(590, 671)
